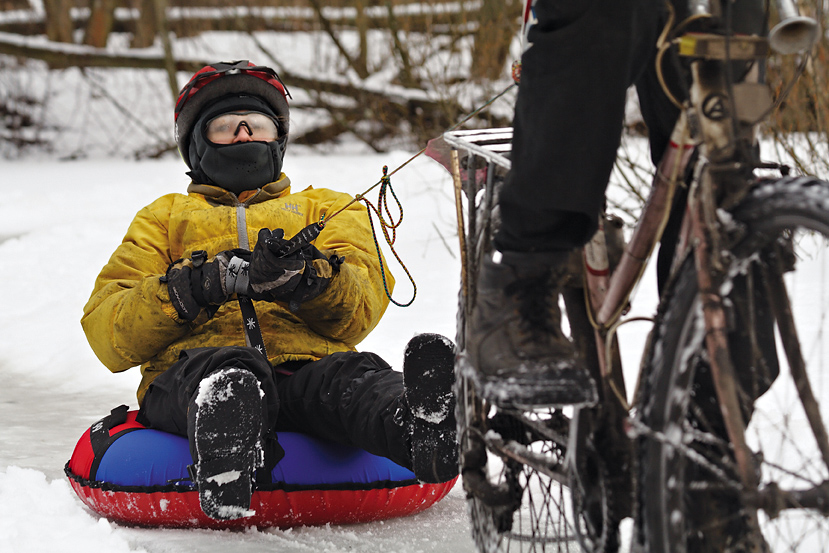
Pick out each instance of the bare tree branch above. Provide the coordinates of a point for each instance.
(361, 70)
(406, 75)
(62, 55)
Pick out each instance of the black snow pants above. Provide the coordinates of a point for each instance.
(585, 54)
(349, 398)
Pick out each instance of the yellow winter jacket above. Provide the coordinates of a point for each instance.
(130, 321)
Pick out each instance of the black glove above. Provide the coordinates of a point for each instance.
(296, 278)
(196, 283)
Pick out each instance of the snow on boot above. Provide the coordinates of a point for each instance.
(428, 379)
(227, 428)
(516, 354)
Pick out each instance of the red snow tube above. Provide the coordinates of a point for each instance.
(135, 475)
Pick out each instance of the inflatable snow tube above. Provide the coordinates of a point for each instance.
(134, 475)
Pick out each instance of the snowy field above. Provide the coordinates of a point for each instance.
(59, 222)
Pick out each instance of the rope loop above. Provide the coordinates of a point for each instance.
(386, 223)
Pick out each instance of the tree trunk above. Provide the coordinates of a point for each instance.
(58, 20)
(362, 30)
(146, 28)
(497, 25)
(169, 60)
(101, 18)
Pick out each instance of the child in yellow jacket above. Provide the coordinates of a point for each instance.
(229, 373)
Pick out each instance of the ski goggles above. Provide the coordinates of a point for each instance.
(224, 128)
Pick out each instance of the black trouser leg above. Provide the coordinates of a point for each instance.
(585, 54)
(167, 404)
(349, 398)
(568, 117)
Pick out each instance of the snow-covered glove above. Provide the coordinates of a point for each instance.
(197, 283)
(295, 278)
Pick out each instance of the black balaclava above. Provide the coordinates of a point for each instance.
(235, 167)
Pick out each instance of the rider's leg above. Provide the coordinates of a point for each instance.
(567, 125)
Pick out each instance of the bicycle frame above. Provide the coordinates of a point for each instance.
(699, 227)
(721, 179)
(608, 295)
(592, 448)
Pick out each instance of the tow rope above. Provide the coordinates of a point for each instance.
(383, 204)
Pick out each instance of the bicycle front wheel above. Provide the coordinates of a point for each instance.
(690, 497)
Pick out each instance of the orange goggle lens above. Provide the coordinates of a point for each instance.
(226, 127)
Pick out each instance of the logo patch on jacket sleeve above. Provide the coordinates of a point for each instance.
(292, 207)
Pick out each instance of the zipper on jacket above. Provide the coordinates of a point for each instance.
(244, 304)
(242, 227)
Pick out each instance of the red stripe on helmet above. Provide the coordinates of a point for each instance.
(210, 73)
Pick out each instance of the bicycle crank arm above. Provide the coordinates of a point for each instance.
(511, 450)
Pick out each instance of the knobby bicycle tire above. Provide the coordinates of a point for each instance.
(689, 495)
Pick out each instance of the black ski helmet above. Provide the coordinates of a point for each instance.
(218, 80)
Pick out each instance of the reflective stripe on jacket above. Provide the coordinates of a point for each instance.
(130, 321)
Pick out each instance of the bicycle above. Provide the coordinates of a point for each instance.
(703, 459)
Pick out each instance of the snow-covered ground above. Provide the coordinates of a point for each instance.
(59, 222)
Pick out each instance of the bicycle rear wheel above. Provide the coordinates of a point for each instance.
(517, 494)
(523, 492)
(690, 497)
(512, 461)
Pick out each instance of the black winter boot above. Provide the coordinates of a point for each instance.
(516, 354)
(226, 434)
(428, 379)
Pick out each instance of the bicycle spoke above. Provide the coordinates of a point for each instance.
(779, 297)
